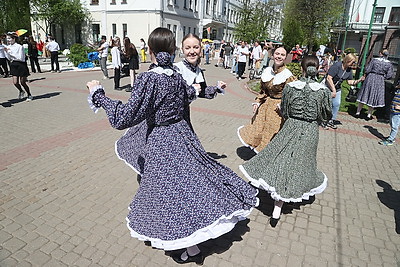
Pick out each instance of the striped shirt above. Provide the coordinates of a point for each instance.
(396, 102)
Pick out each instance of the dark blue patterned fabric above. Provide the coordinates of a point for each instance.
(185, 196)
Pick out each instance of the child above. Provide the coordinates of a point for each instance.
(394, 118)
(185, 196)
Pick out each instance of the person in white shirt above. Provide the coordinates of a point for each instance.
(256, 55)
(103, 50)
(53, 47)
(18, 68)
(3, 59)
(243, 52)
(116, 62)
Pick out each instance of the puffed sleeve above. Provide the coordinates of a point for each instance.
(390, 72)
(370, 66)
(122, 116)
(285, 101)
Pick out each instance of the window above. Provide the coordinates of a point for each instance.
(169, 26)
(114, 27)
(194, 30)
(184, 4)
(379, 13)
(394, 18)
(78, 33)
(124, 2)
(190, 4)
(124, 30)
(174, 30)
(189, 30)
(184, 30)
(170, 2)
(208, 7)
(195, 6)
(94, 2)
(113, 2)
(95, 32)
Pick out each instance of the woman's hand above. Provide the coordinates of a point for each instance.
(333, 94)
(197, 87)
(221, 84)
(91, 85)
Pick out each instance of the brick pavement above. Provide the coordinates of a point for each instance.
(64, 194)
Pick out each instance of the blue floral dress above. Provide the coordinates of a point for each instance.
(185, 196)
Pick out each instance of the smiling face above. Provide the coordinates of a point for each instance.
(191, 49)
(10, 40)
(279, 56)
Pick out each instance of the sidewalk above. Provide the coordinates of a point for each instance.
(64, 194)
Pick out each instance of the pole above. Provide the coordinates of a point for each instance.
(366, 46)
(345, 33)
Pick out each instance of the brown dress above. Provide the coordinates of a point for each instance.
(267, 120)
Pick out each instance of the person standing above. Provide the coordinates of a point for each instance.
(394, 118)
(267, 119)
(256, 55)
(372, 92)
(3, 59)
(18, 67)
(185, 196)
(243, 52)
(53, 47)
(221, 54)
(337, 73)
(33, 54)
(131, 53)
(287, 167)
(143, 50)
(103, 50)
(228, 54)
(116, 61)
(207, 50)
(297, 53)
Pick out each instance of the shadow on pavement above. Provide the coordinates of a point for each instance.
(216, 155)
(245, 153)
(267, 204)
(374, 131)
(36, 79)
(391, 199)
(220, 244)
(11, 102)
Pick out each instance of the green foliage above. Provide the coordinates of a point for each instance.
(254, 85)
(59, 12)
(79, 54)
(310, 22)
(14, 15)
(350, 50)
(295, 68)
(255, 18)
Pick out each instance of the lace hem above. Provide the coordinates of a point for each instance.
(92, 105)
(218, 228)
(270, 189)
(243, 142)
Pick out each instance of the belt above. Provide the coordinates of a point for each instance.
(303, 119)
(168, 122)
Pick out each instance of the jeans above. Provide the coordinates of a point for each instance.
(336, 104)
(103, 66)
(233, 69)
(394, 124)
(207, 58)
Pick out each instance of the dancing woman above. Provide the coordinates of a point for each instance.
(185, 196)
(267, 119)
(287, 167)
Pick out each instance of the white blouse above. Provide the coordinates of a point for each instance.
(15, 52)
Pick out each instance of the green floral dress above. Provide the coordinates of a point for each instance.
(287, 167)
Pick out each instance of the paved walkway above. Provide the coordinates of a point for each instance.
(64, 194)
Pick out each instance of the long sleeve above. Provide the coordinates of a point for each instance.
(390, 72)
(116, 57)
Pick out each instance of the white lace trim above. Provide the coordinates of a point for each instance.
(383, 59)
(218, 228)
(243, 142)
(260, 183)
(116, 152)
(315, 86)
(161, 70)
(269, 74)
(90, 97)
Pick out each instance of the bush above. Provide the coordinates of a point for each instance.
(79, 54)
(295, 68)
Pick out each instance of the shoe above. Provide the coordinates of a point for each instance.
(368, 118)
(216, 65)
(105, 78)
(336, 122)
(21, 94)
(239, 78)
(357, 116)
(59, 71)
(386, 142)
(29, 99)
(198, 259)
(118, 88)
(273, 222)
(129, 89)
(52, 71)
(331, 124)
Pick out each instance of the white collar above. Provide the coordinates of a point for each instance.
(315, 86)
(269, 74)
(383, 59)
(160, 70)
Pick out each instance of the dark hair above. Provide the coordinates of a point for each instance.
(162, 40)
(130, 48)
(103, 37)
(309, 61)
(190, 35)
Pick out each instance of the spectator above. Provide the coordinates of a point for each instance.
(207, 50)
(243, 52)
(297, 53)
(53, 47)
(132, 54)
(256, 55)
(116, 61)
(33, 54)
(221, 54)
(394, 118)
(3, 59)
(143, 50)
(103, 50)
(228, 55)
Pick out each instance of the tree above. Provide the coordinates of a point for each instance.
(58, 12)
(313, 20)
(14, 15)
(255, 19)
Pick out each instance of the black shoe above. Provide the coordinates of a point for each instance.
(273, 222)
(357, 116)
(336, 122)
(118, 88)
(368, 118)
(129, 89)
(198, 259)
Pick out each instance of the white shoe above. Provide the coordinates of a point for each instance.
(29, 99)
(105, 78)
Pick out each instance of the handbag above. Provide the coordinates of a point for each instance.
(352, 95)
